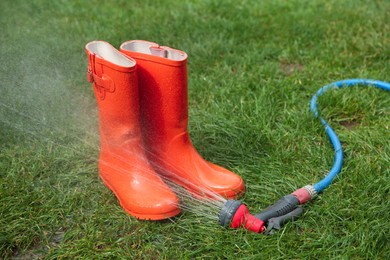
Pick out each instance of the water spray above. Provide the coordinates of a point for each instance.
(234, 213)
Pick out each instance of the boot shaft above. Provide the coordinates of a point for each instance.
(162, 73)
(115, 86)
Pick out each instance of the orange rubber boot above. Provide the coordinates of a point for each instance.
(162, 74)
(123, 166)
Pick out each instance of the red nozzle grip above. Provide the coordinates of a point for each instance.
(242, 218)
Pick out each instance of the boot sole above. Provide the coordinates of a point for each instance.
(137, 215)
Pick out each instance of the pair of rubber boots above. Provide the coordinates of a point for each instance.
(141, 93)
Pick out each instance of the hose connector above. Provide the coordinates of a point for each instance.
(311, 190)
(305, 194)
(235, 214)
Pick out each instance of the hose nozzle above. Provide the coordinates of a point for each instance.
(235, 214)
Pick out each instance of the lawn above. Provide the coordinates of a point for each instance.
(253, 67)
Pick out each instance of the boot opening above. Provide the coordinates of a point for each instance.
(154, 49)
(109, 53)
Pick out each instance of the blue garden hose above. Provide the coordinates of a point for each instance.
(287, 208)
(338, 157)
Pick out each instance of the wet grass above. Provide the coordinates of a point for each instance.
(253, 67)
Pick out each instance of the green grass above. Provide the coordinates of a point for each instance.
(253, 66)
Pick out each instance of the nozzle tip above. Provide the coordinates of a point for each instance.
(228, 211)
